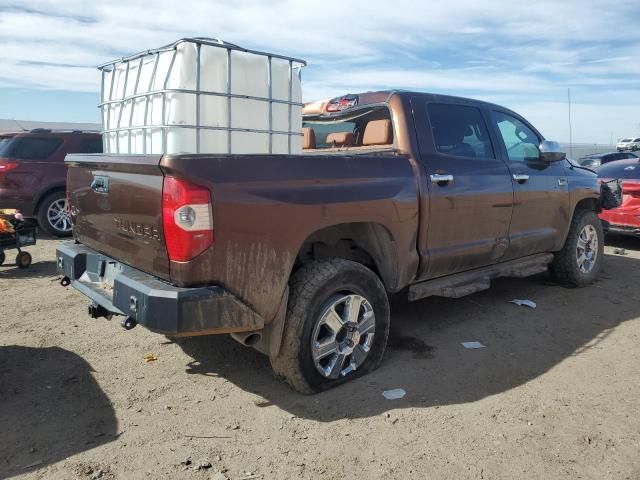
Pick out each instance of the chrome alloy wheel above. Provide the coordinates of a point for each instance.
(58, 215)
(587, 249)
(343, 336)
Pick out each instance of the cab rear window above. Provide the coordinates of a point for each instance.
(356, 129)
(31, 148)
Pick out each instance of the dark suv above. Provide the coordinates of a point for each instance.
(33, 174)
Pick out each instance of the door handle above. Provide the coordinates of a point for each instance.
(520, 177)
(441, 180)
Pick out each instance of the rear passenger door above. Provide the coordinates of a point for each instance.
(541, 193)
(470, 189)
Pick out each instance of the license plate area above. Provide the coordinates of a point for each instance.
(101, 272)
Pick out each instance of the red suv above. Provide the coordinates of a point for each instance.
(33, 174)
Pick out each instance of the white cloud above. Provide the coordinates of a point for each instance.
(524, 54)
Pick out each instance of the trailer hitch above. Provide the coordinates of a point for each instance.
(97, 311)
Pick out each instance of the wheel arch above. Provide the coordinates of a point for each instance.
(589, 204)
(368, 243)
(45, 194)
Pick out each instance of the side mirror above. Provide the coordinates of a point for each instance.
(551, 152)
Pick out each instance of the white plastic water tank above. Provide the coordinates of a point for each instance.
(202, 96)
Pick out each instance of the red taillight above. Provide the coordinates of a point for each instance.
(6, 166)
(186, 219)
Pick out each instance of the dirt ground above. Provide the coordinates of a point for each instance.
(555, 393)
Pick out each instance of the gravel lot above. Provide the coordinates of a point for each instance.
(555, 393)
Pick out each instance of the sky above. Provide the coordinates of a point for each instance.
(523, 55)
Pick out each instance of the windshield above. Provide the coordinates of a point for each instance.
(625, 140)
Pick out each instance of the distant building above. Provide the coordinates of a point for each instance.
(8, 125)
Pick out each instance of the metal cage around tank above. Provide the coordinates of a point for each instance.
(294, 68)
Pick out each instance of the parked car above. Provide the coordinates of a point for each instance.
(33, 174)
(632, 143)
(597, 159)
(295, 254)
(626, 218)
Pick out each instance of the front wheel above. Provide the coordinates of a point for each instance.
(580, 260)
(336, 328)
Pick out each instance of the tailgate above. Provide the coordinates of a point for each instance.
(116, 206)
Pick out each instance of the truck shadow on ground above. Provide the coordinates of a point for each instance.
(50, 408)
(425, 355)
(38, 269)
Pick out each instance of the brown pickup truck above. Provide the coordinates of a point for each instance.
(295, 255)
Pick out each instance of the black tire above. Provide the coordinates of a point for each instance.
(23, 260)
(311, 288)
(565, 266)
(43, 215)
(3, 257)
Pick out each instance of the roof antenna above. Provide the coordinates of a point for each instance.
(570, 129)
(18, 123)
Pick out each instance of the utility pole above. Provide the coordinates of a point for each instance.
(570, 128)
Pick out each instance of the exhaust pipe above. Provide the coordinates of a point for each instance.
(248, 339)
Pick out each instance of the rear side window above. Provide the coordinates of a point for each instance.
(459, 130)
(89, 145)
(31, 148)
(622, 169)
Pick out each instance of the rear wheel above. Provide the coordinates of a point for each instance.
(23, 260)
(580, 260)
(336, 328)
(53, 215)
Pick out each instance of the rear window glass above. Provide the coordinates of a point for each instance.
(322, 131)
(359, 129)
(621, 169)
(31, 148)
(3, 143)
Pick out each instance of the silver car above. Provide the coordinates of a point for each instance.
(628, 144)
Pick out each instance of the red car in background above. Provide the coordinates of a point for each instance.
(626, 218)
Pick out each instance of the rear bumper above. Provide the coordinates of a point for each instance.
(160, 307)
